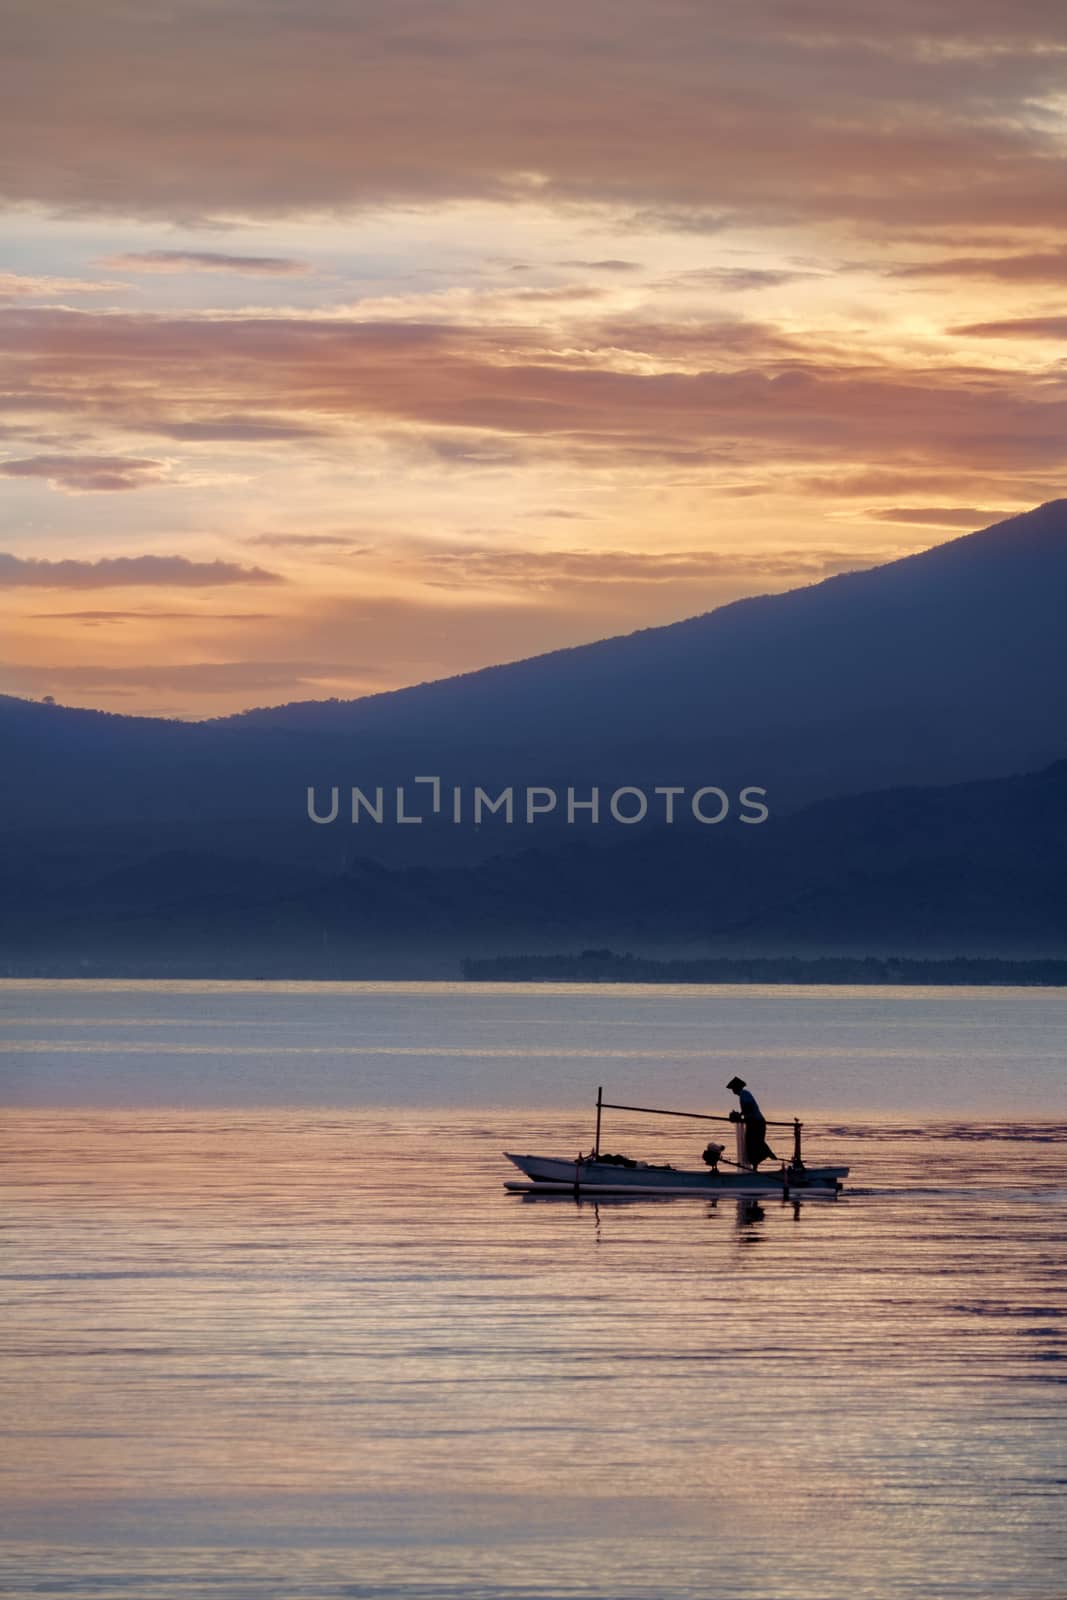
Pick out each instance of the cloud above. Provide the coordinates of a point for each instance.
(734, 280)
(1035, 266)
(969, 517)
(612, 264)
(82, 474)
(936, 114)
(558, 513)
(152, 616)
(170, 261)
(694, 340)
(468, 450)
(300, 541)
(239, 430)
(919, 479)
(210, 677)
(111, 572)
(1017, 328)
(17, 285)
(496, 567)
(677, 219)
(625, 391)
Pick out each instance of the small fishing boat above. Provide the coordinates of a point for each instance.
(600, 1173)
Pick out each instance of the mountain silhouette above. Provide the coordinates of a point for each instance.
(975, 869)
(942, 667)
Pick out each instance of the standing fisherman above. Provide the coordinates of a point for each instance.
(756, 1147)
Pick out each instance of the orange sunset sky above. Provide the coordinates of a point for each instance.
(347, 345)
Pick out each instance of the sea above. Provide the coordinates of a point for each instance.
(273, 1329)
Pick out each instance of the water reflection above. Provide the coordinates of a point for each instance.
(748, 1213)
(747, 1210)
(296, 1354)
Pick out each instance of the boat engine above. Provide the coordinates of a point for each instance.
(712, 1152)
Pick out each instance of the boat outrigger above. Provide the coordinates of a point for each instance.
(599, 1173)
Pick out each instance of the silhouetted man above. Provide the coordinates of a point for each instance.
(756, 1147)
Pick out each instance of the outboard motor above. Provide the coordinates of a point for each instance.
(712, 1152)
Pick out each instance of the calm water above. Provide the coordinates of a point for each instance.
(315, 1350)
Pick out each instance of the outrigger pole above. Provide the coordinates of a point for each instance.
(603, 1105)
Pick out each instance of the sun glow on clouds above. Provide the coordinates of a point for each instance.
(587, 338)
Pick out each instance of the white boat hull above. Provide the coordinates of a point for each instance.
(557, 1173)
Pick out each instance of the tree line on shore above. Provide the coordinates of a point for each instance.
(606, 966)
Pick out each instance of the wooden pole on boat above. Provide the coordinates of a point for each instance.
(700, 1116)
(599, 1109)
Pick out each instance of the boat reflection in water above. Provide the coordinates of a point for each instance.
(748, 1209)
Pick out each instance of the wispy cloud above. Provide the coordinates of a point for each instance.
(236, 430)
(610, 264)
(112, 572)
(26, 286)
(300, 541)
(153, 616)
(735, 280)
(494, 567)
(631, 391)
(917, 478)
(1033, 266)
(86, 474)
(210, 677)
(173, 261)
(1017, 328)
(970, 517)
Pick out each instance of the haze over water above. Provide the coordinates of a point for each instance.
(274, 1328)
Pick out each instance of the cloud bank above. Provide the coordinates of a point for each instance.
(113, 572)
(928, 112)
(694, 394)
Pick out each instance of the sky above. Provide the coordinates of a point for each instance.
(347, 344)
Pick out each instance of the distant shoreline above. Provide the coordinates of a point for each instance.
(605, 966)
(585, 967)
